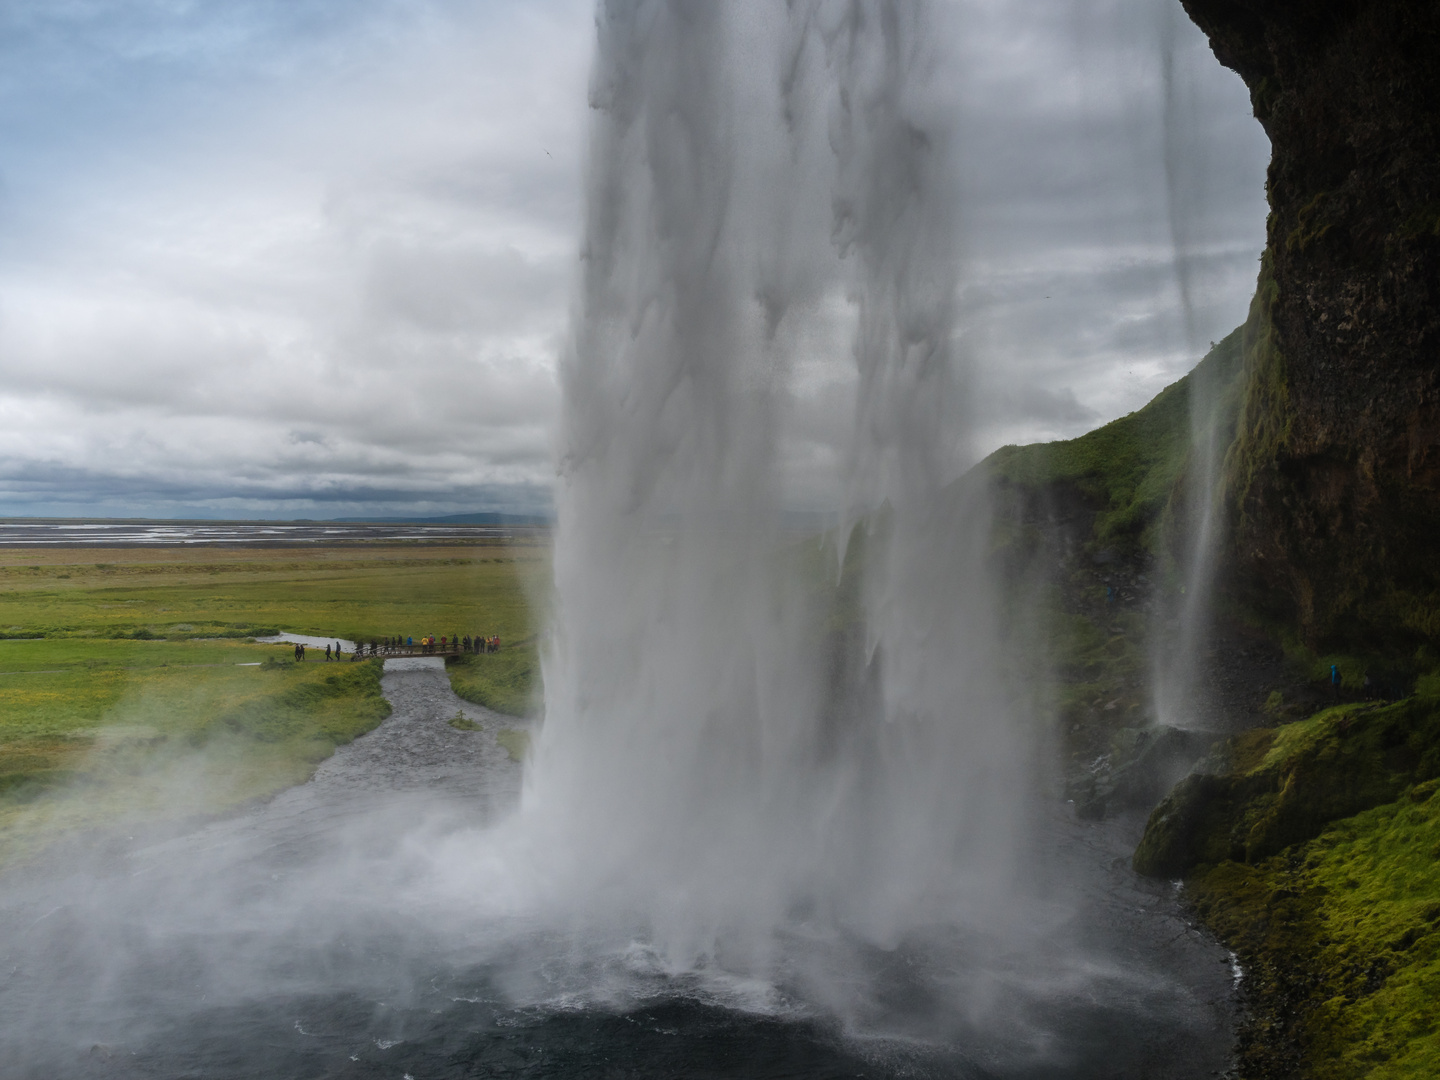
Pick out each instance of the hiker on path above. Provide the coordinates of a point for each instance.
(327, 652)
(1335, 680)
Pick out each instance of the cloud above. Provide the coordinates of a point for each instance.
(279, 251)
(242, 221)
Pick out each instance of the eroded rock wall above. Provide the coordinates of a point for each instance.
(1335, 473)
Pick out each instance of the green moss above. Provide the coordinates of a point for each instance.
(1310, 224)
(1340, 938)
(1284, 785)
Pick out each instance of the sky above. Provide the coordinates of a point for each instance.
(314, 258)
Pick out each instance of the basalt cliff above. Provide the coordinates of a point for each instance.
(1306, 817)
(1309, 843)
(1333, 481)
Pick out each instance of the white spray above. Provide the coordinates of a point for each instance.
(1177, 659)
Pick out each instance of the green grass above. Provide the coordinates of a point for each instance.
(97, 747)
(515, 742)
(461, 722)
(122, 691)
(1128, 469)
(507, 681)
(82, 654)
(54, 687)
(356, 593)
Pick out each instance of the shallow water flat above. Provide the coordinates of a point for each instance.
(131, 533)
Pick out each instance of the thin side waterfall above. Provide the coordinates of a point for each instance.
(1189, 606)
(758, 174)
(1178, 662)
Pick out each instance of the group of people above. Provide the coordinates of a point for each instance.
(300, 652)
(430, 643)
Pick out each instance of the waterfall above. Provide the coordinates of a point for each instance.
(1198, 508)
(713, 761)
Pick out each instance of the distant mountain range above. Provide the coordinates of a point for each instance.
(454, 519)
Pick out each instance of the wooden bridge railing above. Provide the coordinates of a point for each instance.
(450, 648)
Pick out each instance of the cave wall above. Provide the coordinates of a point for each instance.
(1334, 476)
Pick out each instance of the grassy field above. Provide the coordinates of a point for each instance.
(130, 688)
(356, 591)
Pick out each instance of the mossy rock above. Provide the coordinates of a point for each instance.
(1143, 764)
(1278, 787)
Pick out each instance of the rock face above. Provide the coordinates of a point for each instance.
(1335, 472)
(1270, 788)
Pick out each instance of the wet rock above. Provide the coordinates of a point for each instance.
(1268, 789)
(1336, 467)
(1143, 764)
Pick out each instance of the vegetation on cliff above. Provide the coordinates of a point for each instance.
(1090, 534)
(1275, 787)
(1339, 939)
(1311, 848)
(1124, 476)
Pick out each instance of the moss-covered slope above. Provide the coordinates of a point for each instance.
(1125, 475)
(1339, 940)
(1283, 785)
(1313, 851)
